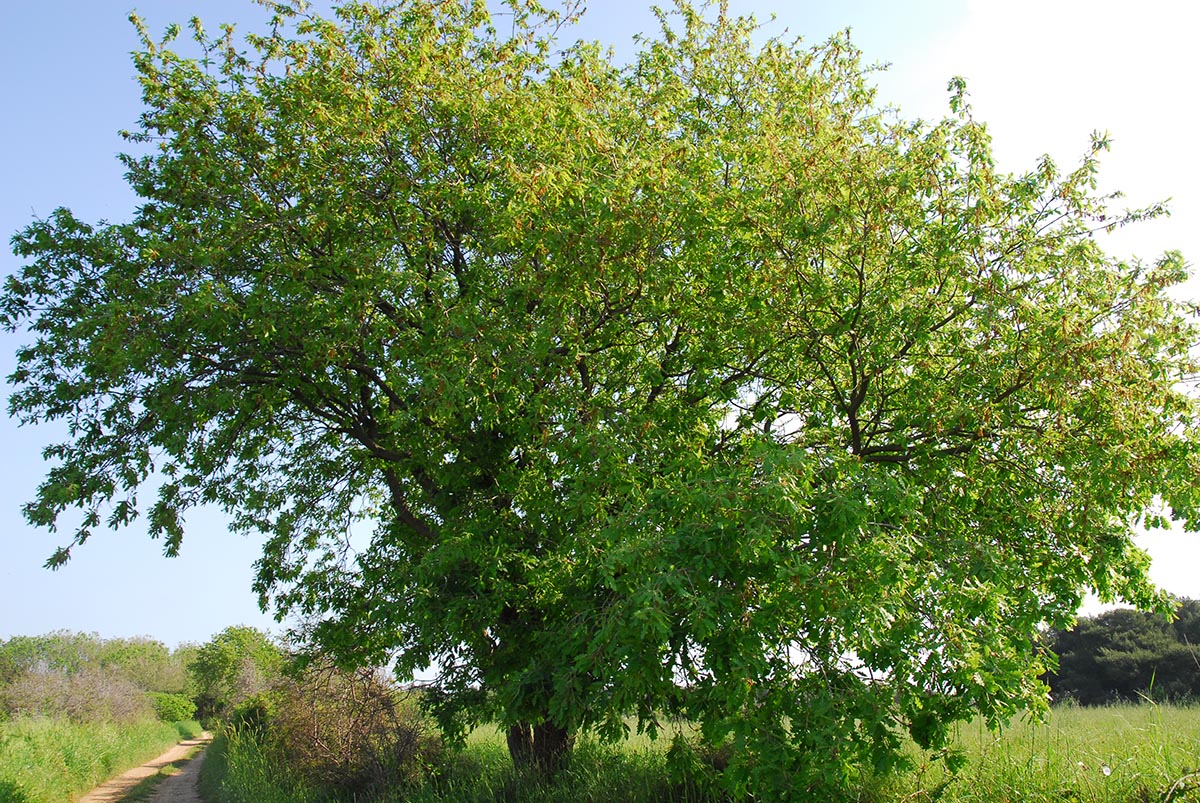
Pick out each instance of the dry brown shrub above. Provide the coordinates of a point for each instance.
(88, 695)
(351, 730)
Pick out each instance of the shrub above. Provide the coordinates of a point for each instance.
(351, 731)
(254, 714)
(237, 664)
(172, 707)
(89, 695)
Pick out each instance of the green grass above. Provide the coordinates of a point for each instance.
(1113, 754)
(51, 761)
(237, 770)
(1117, 754)
(631, 772)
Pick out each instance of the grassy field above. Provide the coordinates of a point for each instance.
(52, 761)
(1118, 754)
(1115, 754)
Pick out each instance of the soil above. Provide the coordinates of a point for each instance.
(180, 788)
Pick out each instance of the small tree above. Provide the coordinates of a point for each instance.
(238, 663)
(701, 384)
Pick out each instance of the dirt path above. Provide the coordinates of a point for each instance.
(179, 788)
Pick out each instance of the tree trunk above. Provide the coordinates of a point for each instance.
(551, 746)
(542, 748)
(520, 745)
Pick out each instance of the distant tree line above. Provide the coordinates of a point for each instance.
(86, 678)
(1128, 655)
(344, 731)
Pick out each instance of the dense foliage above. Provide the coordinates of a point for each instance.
(348, 731)
(1128, 655)
(144, 662)
(85, 678)
(699, 385)
(234, 666)
(173, 707)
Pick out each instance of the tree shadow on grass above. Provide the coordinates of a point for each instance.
(11, 793)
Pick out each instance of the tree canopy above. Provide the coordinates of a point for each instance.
(147, 663)
(236, 664)
(702, 384)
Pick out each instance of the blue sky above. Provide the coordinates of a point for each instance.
(1042, 74)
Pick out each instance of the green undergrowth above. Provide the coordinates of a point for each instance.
(1115, 754)
(631, 772)
(54, 760)
(238, 770)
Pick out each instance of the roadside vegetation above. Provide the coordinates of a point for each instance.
(320, 734)
(297, 728)
(50, 760)
(1119, 753)
(77, 709)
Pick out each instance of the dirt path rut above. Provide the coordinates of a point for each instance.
(179, 788)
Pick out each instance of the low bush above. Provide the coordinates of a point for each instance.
(322, 733)
(87, 695)
(351, 731)
(172, 707)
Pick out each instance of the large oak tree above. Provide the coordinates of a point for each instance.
(701, 384)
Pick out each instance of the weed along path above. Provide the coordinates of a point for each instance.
(170, 778)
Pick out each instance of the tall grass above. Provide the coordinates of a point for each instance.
(54, 760)
(1112, 754)
(237, 769)
(632, 772)
(1117, 754)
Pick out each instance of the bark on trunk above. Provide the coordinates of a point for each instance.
(551, 746)
(520, 745)
(543, 748)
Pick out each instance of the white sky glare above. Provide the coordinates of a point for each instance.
(1043, 75)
